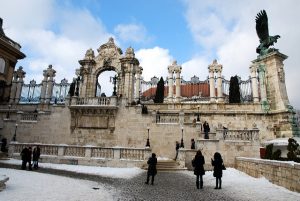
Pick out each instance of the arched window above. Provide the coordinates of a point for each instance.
(2, 65)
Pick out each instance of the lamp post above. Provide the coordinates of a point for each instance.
(198, 115)
(15, 135)
(8, 113)
(148, 142)
(182, 145)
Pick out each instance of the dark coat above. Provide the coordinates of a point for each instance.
(152, 161)
(198, 164)
(36, 154)
(24, 154)
(206, 127)
(218, 171)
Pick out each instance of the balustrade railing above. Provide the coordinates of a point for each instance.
(243, 135)
(75, 151)
(167, 118)
(132, 154)
(83, 151)
(102, 152)
(97, 101)
(29, 116)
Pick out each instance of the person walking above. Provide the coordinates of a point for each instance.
(152, 161)
(206, 130)
(217, 162)
(35, 157)
(176, 148)
(198, 164)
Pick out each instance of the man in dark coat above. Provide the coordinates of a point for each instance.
(206, 130)
(217, 162)
(198, 164)
(24, 154)
(28, 158)
(152, 161)
(176, 148)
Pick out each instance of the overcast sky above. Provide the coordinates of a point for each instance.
(193, 32)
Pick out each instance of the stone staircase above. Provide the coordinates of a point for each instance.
(166, 165)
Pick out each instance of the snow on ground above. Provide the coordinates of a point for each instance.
(31, 185)
(125, 173)
(239, 183)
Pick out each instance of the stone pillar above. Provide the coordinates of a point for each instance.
(219, 87)
(44, 86)
(50, 73)
(254, 83)
(262, 82)
(13, 88)
(275, 90)
(212, 86)
(177, 70)
(170, 83)
(129, 64)
(20, 75)
(138, 83)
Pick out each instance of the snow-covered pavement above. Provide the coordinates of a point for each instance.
(128, 184)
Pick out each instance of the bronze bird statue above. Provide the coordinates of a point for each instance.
(262, 31)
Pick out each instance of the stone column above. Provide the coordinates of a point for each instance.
(212, 86)
(50, 73)
(138, 83)
(170, 83)
(177, 70)
(13, 88)
(275, 88)
(44, 86)
(262, 82)
(254, 83)
(219, 87)
(19, 84)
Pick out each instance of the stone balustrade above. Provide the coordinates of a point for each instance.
(86, 155)
(241, 134)
(31, 116)
(95, 101)
(167, 118)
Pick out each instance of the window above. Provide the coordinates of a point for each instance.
(2, 65)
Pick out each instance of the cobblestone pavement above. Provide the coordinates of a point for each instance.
(169, 186)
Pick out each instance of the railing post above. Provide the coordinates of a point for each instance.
(88, 152)
(61, 150)
(117, 153)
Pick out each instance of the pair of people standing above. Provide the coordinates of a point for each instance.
(198, 164)
(27, 155)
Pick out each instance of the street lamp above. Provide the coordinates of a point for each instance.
(8, 113)
(198, 115)
(15, 135)
(182, 145)
(148, 142)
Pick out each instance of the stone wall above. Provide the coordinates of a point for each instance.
(281, 173)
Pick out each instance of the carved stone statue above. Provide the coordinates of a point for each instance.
(262, 31)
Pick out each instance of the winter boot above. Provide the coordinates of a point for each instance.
(201, 184)
(216, 184)
(197, 184)
(220, 184)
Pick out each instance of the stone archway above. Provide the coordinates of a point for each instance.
(109, 58)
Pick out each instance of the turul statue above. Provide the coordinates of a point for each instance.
(263, 33)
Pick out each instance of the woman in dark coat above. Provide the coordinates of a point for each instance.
(152, 161)
(198, 163)
(35, 157)
(217, 162)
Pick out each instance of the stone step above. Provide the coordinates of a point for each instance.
(166, 165)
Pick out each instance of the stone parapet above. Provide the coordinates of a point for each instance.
(281, 173)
